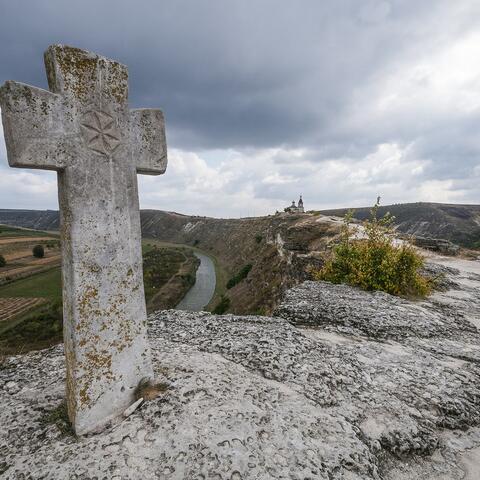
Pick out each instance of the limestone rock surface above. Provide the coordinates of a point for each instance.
(342, 384)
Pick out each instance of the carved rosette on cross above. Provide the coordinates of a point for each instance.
(83, 129)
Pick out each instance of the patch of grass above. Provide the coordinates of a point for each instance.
(147, 247)
(149, 390)
(40, 329)
(159, 266)
(241, 275)
(47, 284)
(58, 417)
(222, 306)
(375, 262)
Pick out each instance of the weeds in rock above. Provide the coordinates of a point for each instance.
(370, 259)
(149, 390)
(59, 417)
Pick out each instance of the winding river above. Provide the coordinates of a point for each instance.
(198, 297)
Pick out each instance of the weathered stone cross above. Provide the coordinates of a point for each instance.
(84, 130)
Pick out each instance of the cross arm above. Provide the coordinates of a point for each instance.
(147, 140)
(33, 126)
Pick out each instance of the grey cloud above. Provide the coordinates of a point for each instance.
(263, 73)
(229, 74)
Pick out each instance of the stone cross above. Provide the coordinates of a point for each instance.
(83, 129)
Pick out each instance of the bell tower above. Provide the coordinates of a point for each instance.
(300, 205)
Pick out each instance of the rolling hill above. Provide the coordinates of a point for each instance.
(278, 251)
(458, 223)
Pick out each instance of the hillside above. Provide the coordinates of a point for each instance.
(31, 288)
(36, 219)
(279, 248)
(458, 223)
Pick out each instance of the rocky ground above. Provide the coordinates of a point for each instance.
(341, 384)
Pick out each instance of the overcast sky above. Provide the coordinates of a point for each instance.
(338, 100)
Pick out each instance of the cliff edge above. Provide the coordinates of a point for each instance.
(341, 384)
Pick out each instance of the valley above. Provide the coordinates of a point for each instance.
(279, 251)
(31, 288)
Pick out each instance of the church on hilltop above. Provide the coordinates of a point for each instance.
(295, 208)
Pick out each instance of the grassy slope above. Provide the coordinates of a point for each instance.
(220, 272)
(37, 329)
(41, 326)
(8, 231)
(457, 223)
(47, 285)
(168, 275)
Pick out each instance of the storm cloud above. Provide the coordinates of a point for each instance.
(338, 100)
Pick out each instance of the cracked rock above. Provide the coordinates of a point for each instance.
(342, 384)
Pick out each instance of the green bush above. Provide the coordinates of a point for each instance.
(39, 329)
(222, 306)
(38, 251)
(3, 262)
(375, 262)
(239, 276)
(258, 238)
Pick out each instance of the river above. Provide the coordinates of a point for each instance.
(198, 297)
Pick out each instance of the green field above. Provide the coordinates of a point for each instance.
(47, 284)
(8, 231)
(169, 269)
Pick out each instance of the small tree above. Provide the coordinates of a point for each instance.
(38, 251)
(3, 262)
(239, 276)
(222, 306)
(371, 259)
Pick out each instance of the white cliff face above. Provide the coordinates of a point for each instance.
(343, 384)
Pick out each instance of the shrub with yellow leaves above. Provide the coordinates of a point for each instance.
(368, 257)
